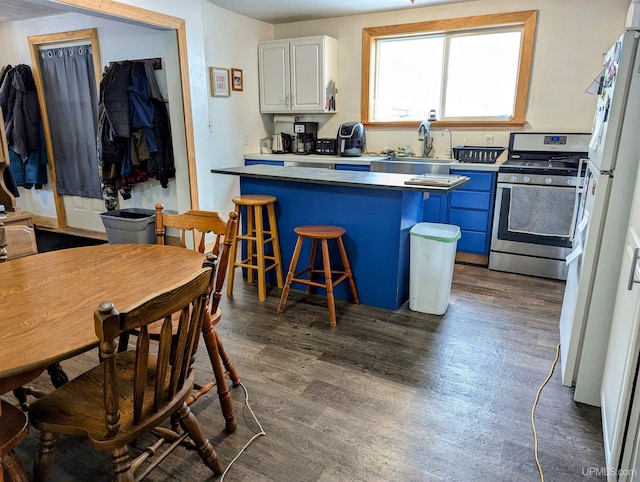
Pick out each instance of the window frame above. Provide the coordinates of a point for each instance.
(527, 19)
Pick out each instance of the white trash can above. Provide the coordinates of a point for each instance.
(432, 256)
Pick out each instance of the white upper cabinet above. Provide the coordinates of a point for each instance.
(298, 75)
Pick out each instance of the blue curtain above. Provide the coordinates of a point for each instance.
(72, 107)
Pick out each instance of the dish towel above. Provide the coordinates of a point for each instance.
(541, 210)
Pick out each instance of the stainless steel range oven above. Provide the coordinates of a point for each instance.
(538, 191)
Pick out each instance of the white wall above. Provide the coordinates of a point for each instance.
(571, 35)
(236, 124)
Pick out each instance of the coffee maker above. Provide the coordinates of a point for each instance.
(306, 136)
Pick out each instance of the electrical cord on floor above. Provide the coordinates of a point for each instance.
(533, 410)
(259, 434)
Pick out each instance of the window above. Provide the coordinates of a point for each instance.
(473, 72)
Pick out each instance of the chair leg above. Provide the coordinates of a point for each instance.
(233, 256)
(275, 243)
(261, 272)
(347, 269)
(328, 282)
(123, 342)
(290, 273)
(21, 395)
(226, 361)
(210, 339)
(207, 453)
(12, 468)
(121, 465)
(45, 457)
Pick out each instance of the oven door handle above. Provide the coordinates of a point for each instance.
(576, 203)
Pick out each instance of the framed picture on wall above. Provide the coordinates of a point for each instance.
(236, 79)
(219, 82)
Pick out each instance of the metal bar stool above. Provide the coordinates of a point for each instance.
(324, 234)
(257, 235)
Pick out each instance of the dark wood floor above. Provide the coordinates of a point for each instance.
(387, 396)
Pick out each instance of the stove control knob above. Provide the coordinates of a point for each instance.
(571, 181)
(514, 178)
(526, 178)
(548, 180)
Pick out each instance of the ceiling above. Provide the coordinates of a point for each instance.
(284, 11)
(273, 11)
(14, 10)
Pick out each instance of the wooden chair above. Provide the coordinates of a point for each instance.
(133, 392)
(3, 244)
(13, 428)
(199, 223)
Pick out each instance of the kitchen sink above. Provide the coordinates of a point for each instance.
(413, 165)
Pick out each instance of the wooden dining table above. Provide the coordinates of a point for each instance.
(48, 300)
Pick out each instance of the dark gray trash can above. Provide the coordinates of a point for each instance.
(130, 226)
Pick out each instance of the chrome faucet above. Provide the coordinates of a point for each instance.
(450, 142)
(424, 135)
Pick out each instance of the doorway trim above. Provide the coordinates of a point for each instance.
(35, 43)
(149, 17)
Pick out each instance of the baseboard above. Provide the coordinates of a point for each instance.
(471, 258)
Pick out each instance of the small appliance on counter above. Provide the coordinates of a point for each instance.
(306, 135)
(281, 143)
(352, 141)
(326, 147)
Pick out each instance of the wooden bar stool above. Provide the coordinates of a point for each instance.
(324, 234)
(258, 235)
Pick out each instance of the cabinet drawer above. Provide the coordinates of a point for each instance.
(470, 200)
(480, 181)
(470, 220)
(473, 242)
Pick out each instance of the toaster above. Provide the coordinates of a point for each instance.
(326, 146)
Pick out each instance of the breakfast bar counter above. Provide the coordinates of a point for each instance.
(376, 209)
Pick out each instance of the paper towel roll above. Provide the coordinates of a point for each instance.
(284, 118)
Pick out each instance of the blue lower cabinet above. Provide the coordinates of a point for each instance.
(471, 208)
(434, 209)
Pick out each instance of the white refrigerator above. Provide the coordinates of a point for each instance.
(601, 222)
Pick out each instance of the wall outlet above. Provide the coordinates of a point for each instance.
(489, 140)
(246, 140)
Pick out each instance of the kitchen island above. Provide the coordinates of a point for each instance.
(376, 209)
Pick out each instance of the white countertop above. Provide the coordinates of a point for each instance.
(376, 180)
